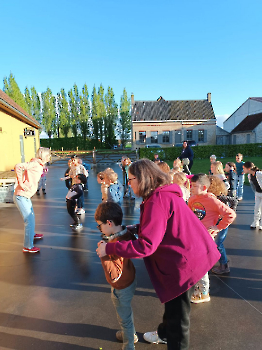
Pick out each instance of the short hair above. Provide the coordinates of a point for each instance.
(73, 156)
(239, 155)
(43, 153)
(82, 178)
(248, 165)
(217, 186)
(101, 175)
(231, 164)
(213, 156)
(164, 167)
(109, 211)
(110, 175)
(202, 179)
(149, 176)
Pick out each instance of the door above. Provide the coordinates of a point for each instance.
(22, 148)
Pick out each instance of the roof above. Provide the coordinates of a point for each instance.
(258, 99)
(221, 132)
(249, 123)
(16, 111)
(172, 110)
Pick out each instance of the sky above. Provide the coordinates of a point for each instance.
(180, 50)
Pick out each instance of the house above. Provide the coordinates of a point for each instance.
(222, 136)
(19, 134)
(253, 105)
(170, 122)
(249, 130)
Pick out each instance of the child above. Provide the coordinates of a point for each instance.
(212, 158)
(209, 210)
(185, 163)
(114, 190)
(119, 272)
(164, 167)
(42, 181)
(255, 180)
(104, 188)
(184, 183)
(156, 158)
(75, 169)
(230, 173)
(73, 194)
(177, 163)
(218, 188)
(240, 177)
(125, 174)
(217, 170)
(68, 180)
(127, 188)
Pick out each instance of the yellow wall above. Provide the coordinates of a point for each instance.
(10, 153)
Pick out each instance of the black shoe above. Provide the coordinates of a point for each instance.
(44, 192)
(37, 193)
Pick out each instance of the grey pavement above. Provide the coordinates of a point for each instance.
(59, 298)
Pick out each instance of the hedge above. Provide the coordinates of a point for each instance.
(203, 152)
(71, 144)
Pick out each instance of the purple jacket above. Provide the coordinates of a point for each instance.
(175, 245)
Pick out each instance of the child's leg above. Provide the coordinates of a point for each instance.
(43, 183)
(241, 179)
(26, 209)
(80, 201)
(257, 211)
(121, 299)
(221, 236)
(71, 210)
(204, 284)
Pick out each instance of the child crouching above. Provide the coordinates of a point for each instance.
(119, 272)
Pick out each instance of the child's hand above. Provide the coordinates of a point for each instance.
(101, 250)
(213, 230)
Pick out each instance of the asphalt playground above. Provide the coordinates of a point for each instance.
(59, 298)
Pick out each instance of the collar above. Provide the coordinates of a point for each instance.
(114, 235)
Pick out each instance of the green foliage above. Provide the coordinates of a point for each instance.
(33, 103)
(84, 113)
(11, 88)
(63, 112)
(125, 117)
(49, 112)
(110, 118)
(70, 144)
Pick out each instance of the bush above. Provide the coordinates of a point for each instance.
(71, 143)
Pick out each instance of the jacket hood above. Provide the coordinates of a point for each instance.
(173, 188)
(38, 160)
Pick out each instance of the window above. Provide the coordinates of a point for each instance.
(142, 136)
(201, 136)
(165, 135)
(154, 136)
(135, 135)
(189, 135)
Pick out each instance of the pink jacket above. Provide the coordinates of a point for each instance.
(176, 247)
(28, 174)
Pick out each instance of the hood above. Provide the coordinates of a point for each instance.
(38, 160)
(173, 188)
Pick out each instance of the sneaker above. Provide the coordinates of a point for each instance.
(38, 236)
(152, 337)
(78, 227)
(240, 198)
(260, 227)
(31, 250)
(73, 225)
(119, 336)
(37, 193)
(44, 192)
(80, 211)
(254, 224)
(132, 198)
(219, 270)
(200, 298)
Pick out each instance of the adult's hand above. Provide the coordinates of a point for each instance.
(25, 188)
(101, 250)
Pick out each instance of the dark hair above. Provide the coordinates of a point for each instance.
(109, 211)
(255, 168)
(74, 156)
(149, 176)
(82, 178)
(248, 165)
(101, 175)
(202, 179)
(232, 164)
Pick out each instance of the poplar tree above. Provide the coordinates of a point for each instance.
(94, 113)
(49, 112)
(74, 109)
(32, 100)
(63, 112)
(101, 112)
(84, 114)
(111, 117)
(11, 88)
(125, 117)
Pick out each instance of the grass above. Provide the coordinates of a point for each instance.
(203, 165)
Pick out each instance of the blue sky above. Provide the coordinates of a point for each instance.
(176, 49)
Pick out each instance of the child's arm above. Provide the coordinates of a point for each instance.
(65, 178)
(227, 214)
(113, 267)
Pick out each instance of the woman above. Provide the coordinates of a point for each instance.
(187, 152)
(27, 177)
(171, 249)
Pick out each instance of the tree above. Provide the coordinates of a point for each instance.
(101, 112)
(12, 90)
(74, 109)
(63, 112)
(125, 117)
(33, 103)
(49, 112)
(111, 117)
(94, 113)
(84, 114)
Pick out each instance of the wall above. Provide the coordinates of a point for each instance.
(247, 108)
(10, 143)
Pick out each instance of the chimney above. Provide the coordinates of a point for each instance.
(132, 98)
(209, 97)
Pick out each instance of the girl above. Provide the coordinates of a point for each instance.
(128, 190)
(240, 176)
(27, 177)
(104, 188)
(114, 190)
(181, 180)
(230, 173)
(217, 170)
(218, 188)
(170, 248)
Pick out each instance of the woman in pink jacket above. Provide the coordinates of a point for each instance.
(27, 177)
(176, 248)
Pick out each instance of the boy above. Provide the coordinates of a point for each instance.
(240, 176)
(75, 192)
(214, 215)
(119, 272)
(212, 158)
(114, 189)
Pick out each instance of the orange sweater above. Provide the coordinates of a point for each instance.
(209, 210)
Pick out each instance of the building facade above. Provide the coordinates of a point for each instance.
(168, 123)
(19, 134)
(249, 130)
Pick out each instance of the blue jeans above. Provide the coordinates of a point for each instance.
(80, 201)
(239, 182)
(25, 207)
(221, 236)
(121, 299)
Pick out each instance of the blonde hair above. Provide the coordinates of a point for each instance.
(43, 153)
(164, 167)
(218, 168)
(181, 180)
(217, 186)
(110, 174)
(177, 162)
(185, 161)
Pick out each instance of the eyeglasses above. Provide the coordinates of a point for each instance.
(129, 180)
(99, 226)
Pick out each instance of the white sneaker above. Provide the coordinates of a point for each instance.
(80, 211)
(240, 198)
(152, 337)
(254, 224)
(260, 227)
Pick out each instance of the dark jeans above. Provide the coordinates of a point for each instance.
(176, 322)
(80, 201)
(71, 204)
